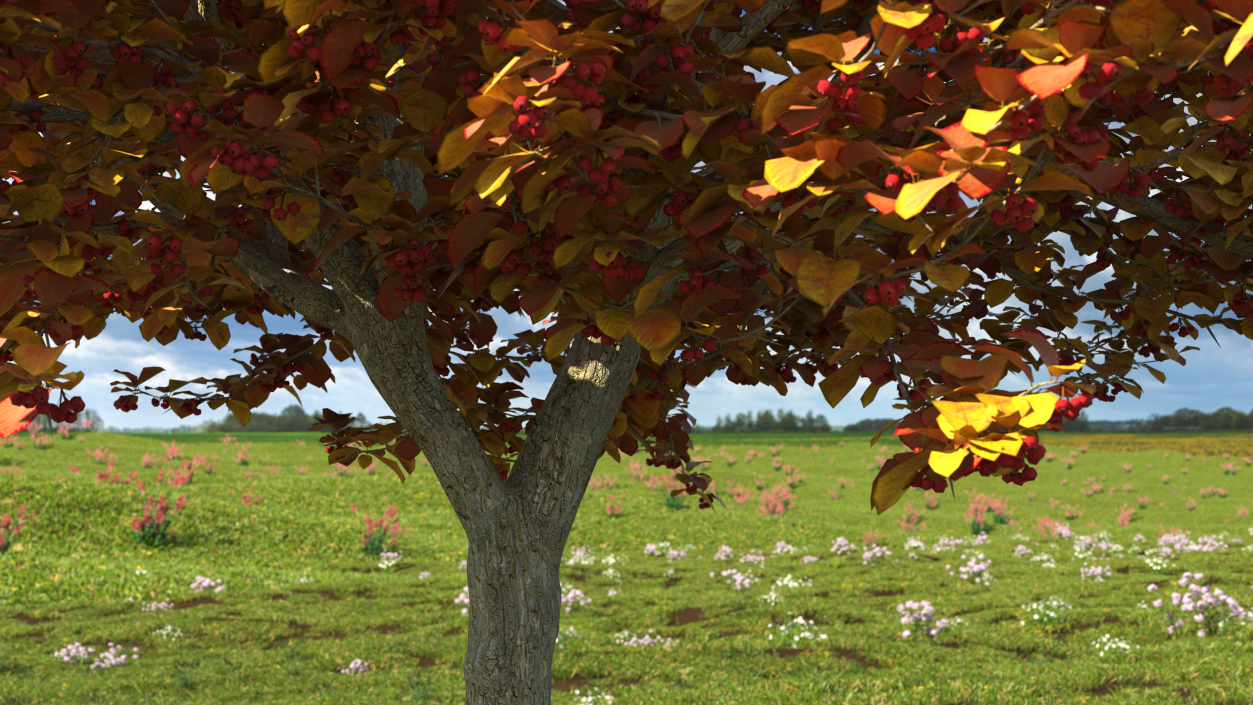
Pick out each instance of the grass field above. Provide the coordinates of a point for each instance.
(301, 601)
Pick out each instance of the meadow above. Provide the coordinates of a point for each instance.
(796, 592)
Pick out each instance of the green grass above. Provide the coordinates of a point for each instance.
(302, 601)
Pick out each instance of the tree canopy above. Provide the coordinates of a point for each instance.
(803, 192)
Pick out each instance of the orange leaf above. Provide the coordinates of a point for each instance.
(999, 84)
(1049, 79)
(338, 47)
(1144, 22)
(656, 329)
(389, 303)
(1055, 181)
(1106, 176)
(35, 358)
(1229, 110)
(262, 110)
(915, 196)
(13, 418)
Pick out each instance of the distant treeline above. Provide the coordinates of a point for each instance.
(768, 421)
(293, 419)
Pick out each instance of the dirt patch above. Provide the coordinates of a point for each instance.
(329, 595)
(31, 635)
(425, 662)
(671, 582)
(1111, 688)
(453, 632)
(852, 620)
(1094, 625)
(855, 656)
(887, 592)
(565, 684)
(785, 653)
(687, 615)
(279, 596)
(364, 593)
(387, 628)
(577, 576)
(301, 630)
(336, 635)
(1123, 570)
(185, 604)
(733, 632)
(26, 619)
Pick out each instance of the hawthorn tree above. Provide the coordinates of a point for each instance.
(826, 189)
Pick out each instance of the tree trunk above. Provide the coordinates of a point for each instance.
(515, 609)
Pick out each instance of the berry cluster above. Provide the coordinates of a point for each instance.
(582, 82)
(72, 61)
(541, 257)
(128, 402)
(167, 256)
(409, 262)
(185, 119)
(308, 45)
(696, 283)
(1069, 207)
(282, 370)
(1234, 143)
(529, 123)
(241, 161)
(191, 406)
(888, 292)
(699, 353)
(843, 92)
(1026, 121)
(591, 332)
(1083, 137)
(65, 412)
(621, 268)
(924, 34)
(1135, 185)
(676, 207)
(1179, 206)
(603, 182)
(1225, 86)
(435, 13)
(639, 16)
(1019, 211)
(973, 34)
(1100, 79)
(1241, 305)
(1070, 408)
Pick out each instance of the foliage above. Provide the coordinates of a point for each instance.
(289, 420)
(152, 529)
(768, 422)
(380, 534)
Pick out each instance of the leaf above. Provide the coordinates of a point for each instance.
(999, 84)
(647, 293)
(338, 46)
(137, 114)
(275, 62)
(424, 110)
(1106, 176)
(262, 110)
(787, 173)
(560, 337)
(613, 322)
(37, 204)
(894, 479)
(1049, 79)
(915, 196)
(35, 358)
(240, 409)
(981, 122)
(873, 322)
(298, 14)
(298, 140)
(1144, 22)
(1055, 181)
(223, 178)
(945, 463)
(498, 250)
(656, 329)
(675, 10)
(1238, 42)
(907, 17)
(468, 234)
(826, 46)
(838, 384)
(297, 227)
(1043, 348)
(824, 282)
(459, 144)
(390, 305)
(1219, 172)
(949, 276)
(14, 419)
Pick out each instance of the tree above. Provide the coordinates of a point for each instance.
(829, 190)
(291, 419)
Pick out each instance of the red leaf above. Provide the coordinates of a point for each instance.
(709, 220)
(53, 289)
(980, 181)
(14, 419)
(1049, 79)
(262, 110)
(538, 298)
(908, 83)
(197, 170)
(337, 48)
(1105, 177)
(389, 303)
(1228, 110)
(881, 203)
(958, 137)
(1043, 348)
(468, 234)
(999, 84)
(571, 212)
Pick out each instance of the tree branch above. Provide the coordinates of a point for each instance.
(754, 24)
(1154, 210)
(295, 290)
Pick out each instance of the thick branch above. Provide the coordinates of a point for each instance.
(295, 290)
(1153, 209)
(754, 24)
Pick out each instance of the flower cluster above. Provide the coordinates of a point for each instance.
(795, 631)
(754, 557)
(1107, 644)
(581, 556)
(169, 633)
(656, 549)
(872, 553)
(381, 533)
(10, 527)
(919, 619)
(113, 656)
(736, 579)
(675, 554)
(1210, 609)
(151, 529)
(625, 638)
(1020, 551)
(724, 553)
(157, 607)
(975, 569)
(201, 583)
(356, 668)
(387, 559)
(947, 543)
(783, 548)
(1095, 573)
(1180, 542)
(810, 559)
(595, 696)
(1053, 612)
(573, 597)
(463, 598)
(841, 546)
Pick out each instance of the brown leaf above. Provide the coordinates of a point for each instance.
(339, 44)
(894, 479)
(262, 110)
(469, 232)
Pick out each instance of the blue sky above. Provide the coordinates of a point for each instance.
(1214, 377)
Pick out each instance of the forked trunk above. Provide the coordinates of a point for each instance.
(515, 608)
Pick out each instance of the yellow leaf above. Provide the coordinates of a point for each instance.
(297, 227)
(1144, 22)
(240, 409)
(377, 202)
(460, 143)
(786, 173)
(892, 483)
(998, 292)
(1059, 370)
(838, 384)
(1239, 41)
(1042, 406)
(822, 281)
(424, 110)
(1005, 446)
(874, 322)
(957, 415)
(613, 323)
(35, 358)
(66, 265)
(656, 329)
(1219, 172)
(949, 276)
(498, 170)
(275, 62)
(647, 293)
(555, 345)
(907, 16)
(1056, 181)
(915, 196)
(37, 204)
(223, 178)
(571, 250)
(981, 122)
(945, 463)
